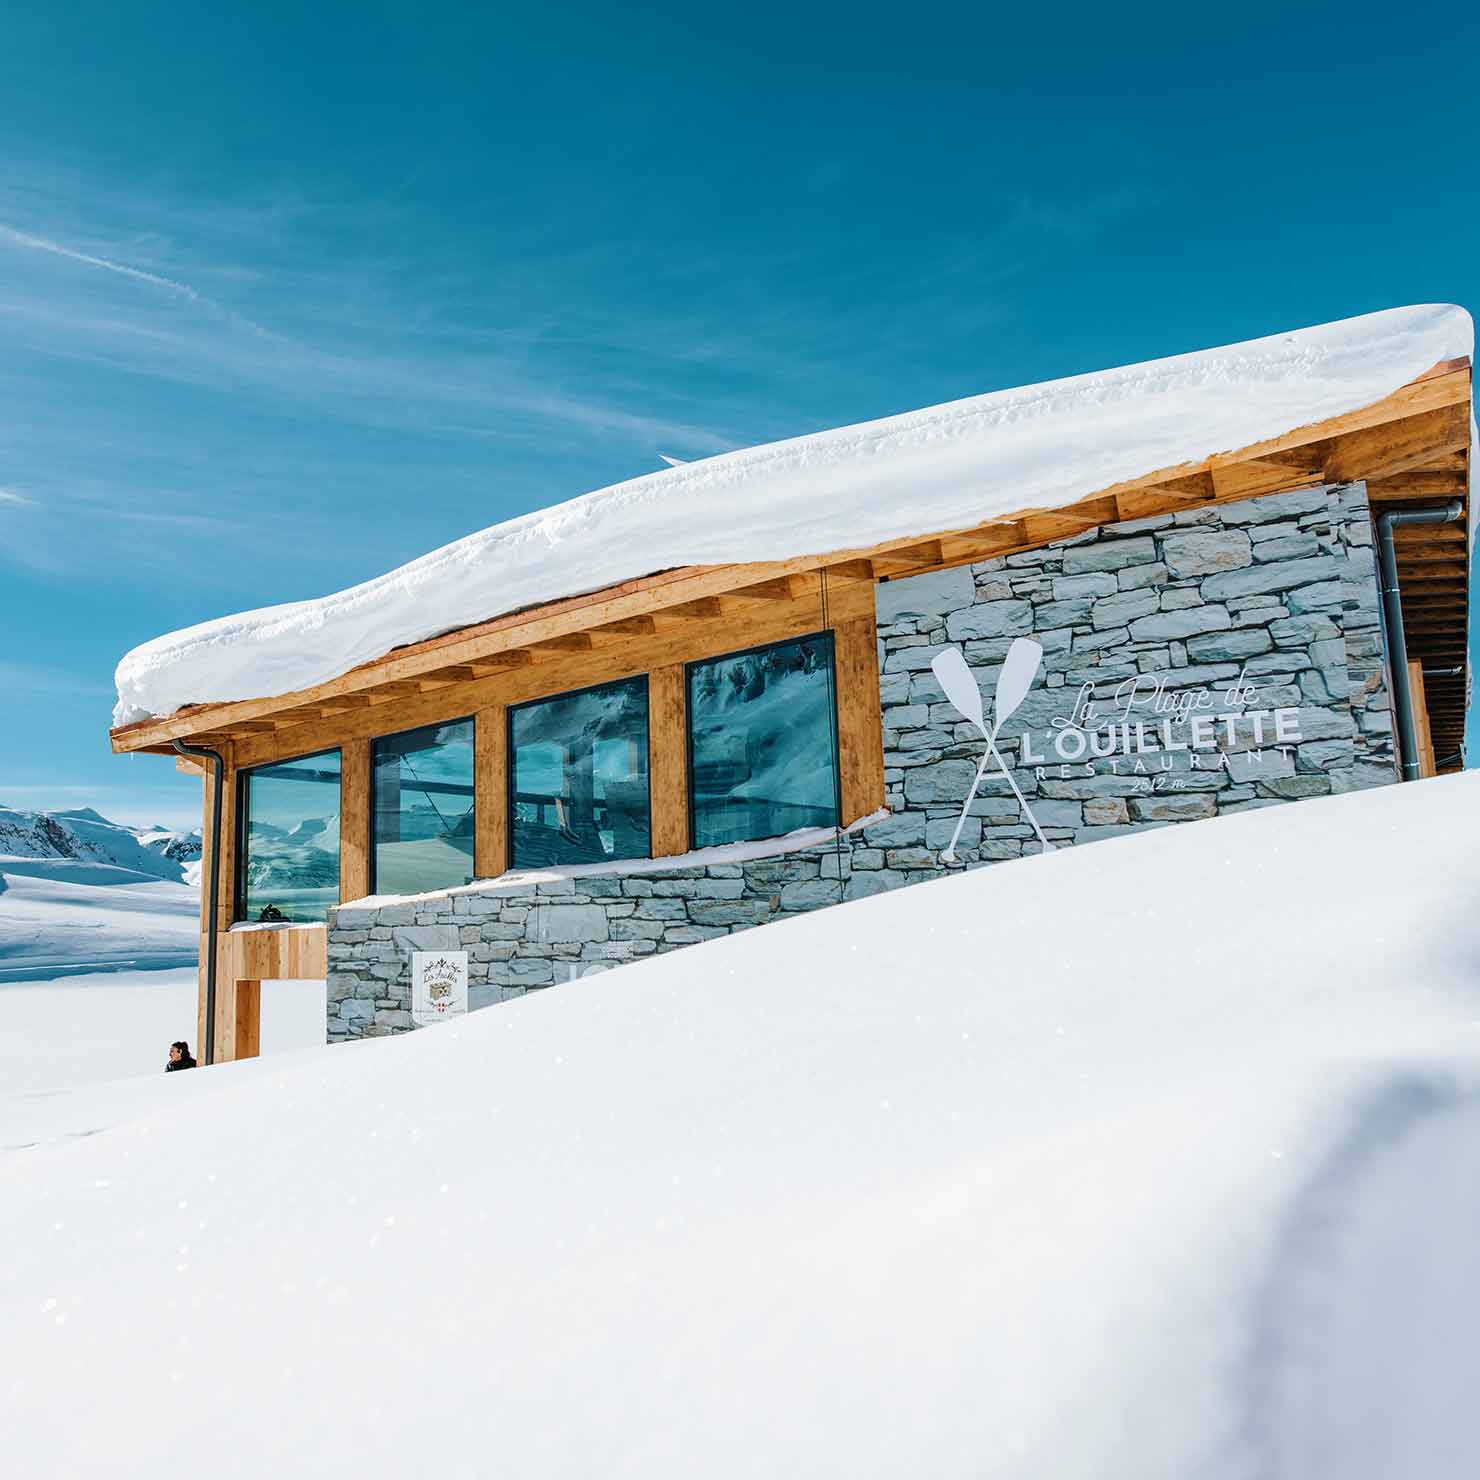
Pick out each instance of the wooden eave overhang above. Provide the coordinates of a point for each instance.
(1411, 448)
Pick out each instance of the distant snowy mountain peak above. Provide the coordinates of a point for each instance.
(34, 835)
(84, 834)
(183, 847)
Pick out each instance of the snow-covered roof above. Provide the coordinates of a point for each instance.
(963, 463)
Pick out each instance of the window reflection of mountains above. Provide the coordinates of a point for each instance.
(305, 854)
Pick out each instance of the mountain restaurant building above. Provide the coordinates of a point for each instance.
(802, 674)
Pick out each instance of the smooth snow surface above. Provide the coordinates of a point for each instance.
(1150, 1159)
(67, 915)
(947, 467)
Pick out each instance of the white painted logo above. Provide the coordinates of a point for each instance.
(439, 986)
(1019, 669)
(1137, 738)
(1144, 715)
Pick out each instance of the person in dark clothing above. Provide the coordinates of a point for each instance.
(179, 1057)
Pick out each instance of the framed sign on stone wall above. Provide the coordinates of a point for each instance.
(439, 986)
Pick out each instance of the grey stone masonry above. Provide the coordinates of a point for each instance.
(521, 937)
(1261, 616)
(1192, 665)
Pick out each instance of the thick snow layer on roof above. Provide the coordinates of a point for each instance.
(947, 467)
(1103, 1165)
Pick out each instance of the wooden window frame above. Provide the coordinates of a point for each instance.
(510, 754)
(374, 740)
(825, 634)
(239, 869)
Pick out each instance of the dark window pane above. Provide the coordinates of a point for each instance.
(763, 732)
(290, 858)
(579, 774)
(423, 819)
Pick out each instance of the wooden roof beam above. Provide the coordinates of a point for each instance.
(623, 630)
(1398, 446)
(1187, 491)
(1236, 477)
(569, 642)
(705, 609)
(985, 543)
(850, 570)
(906, 558)
(782, 588)
(1062, 524)
(1424, 483)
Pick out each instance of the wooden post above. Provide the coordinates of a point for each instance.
(225, 908)
(205, 915)
(226, 903)
(860, 724)
(354, 820)
(490, 792)
(1426, 761)
(668, 761)
(247, 1024)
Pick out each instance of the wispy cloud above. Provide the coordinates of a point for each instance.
(335, 354)
(11, 496)
(40, 244)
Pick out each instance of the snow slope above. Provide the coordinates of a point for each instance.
(946, 467)
(66, 915)
(1152, 1159)
(79, 893)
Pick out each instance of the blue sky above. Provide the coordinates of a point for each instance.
(292, 295)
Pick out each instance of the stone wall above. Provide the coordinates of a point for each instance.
(525, 935)
(1272, 601)
(1224, 658)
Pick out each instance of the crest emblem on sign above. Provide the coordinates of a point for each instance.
(439, 986)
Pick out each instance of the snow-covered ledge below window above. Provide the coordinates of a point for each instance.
(516, 880)
(238, 926)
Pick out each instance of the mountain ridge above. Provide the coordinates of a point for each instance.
(84, 834)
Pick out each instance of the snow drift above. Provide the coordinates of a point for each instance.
(947, 467)
(1151, 1159)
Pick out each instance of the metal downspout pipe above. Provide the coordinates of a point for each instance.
(1392, 615)
(208, 1048)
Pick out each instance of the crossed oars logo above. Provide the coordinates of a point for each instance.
(1019, 669)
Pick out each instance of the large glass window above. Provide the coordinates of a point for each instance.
(289, 839)
(423, 817)
(578, 777)
(763, 752)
